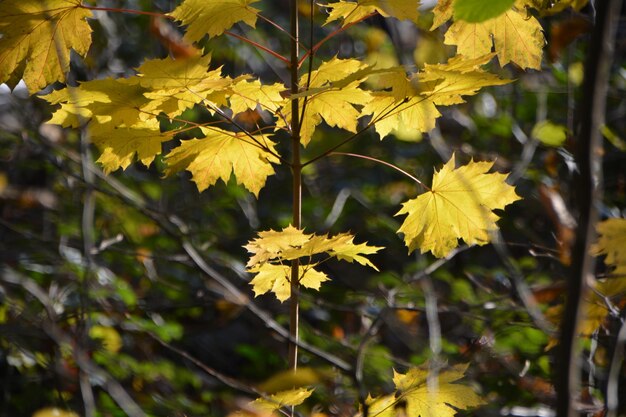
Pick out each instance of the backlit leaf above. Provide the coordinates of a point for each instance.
(276, 278)
(515, 36)
(550, 134)
(351, 11)
(221, 154)
(288, 398)
(36, 38)
(458, 206)
(272, 252)
(444, 84)
(442, 400)
(612, 243)
(213, 17)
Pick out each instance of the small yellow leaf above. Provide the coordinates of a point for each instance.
(111, 339)
(36, 38)
(213, 17)
(458, 206)
(288, 398)
(442, 400)
(247, 95)
(276, 278)
(550, 134)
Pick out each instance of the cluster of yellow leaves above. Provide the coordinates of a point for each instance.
(606, 291)
(274, 250)
(459, 205)
(122, 116)
(612, 244)
(440, 396)
(515, 35)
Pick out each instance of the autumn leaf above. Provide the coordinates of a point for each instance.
(444, 84)
(441, 401)
(515, 36)
(458, 206)
(287, 398)
(247, 95)
(351, 11)
(221, 154)
(36, 38)
(213, 17)
(276, 278)
(332, 102)
(612, 243)
(174, 86)
(272, 251)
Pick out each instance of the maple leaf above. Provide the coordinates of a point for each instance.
(352, 12)
(402, 107)
(515, 36)
(273, 250)
(176, 85)
(441, 401)
(444, 84)
(332, 101)
(276, 278)
(115, 101)
(612, 243)
(247, 95)
(36, 38)
(476, 11)
(119, 145)
(222, 153)
(213, 17)
(287, 398)
(458, 206)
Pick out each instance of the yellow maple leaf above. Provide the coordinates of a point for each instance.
(444, 84)
(176, 85)
(274, 250)
(116, 101)
(213, 17)
(442, 13)
(515, 36)
(442, 400)
(332, 100)
(36, 38)
(247, 95)
(458, 206)
(119, 145)
(352, 12)
(276, 278)
(287, 398)
(612, 243)
(222, 153)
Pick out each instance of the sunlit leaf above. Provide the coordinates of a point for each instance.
(36, 38)
(458, 206)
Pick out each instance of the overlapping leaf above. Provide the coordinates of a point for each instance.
(273, 250)
(515, 36)
(458, 206)
(351, 11)
(36, 38)
(213, 17)
(444, 84)
(221, 154)
(335, 103)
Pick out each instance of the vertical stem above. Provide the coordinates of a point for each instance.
(588, 183)
(296, 171)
